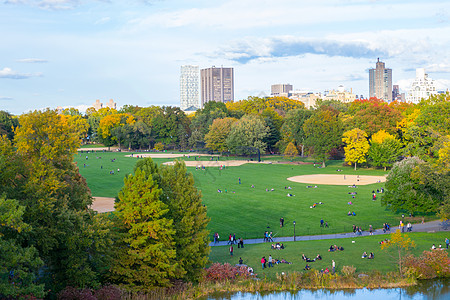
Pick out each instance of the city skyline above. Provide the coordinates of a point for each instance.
(72, 52)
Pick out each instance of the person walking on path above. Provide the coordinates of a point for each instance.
(270, 261)
(231, 250)
(370, 230)
(321, 222)
(333, 265)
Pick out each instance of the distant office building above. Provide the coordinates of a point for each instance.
(422, 87)
(281, 89)
(340, 94)
(217, 85)
(396, 94)
(189, 88)
(111, 104)
(380, 82)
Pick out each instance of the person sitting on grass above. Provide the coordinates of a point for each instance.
(290, 195)
(318, 257)
(371, 256)
(304, 257)
(331, 248)
(326, 271)
(283, 261)
(340, 248)
(307, 267)
(364, 255)
(281, 246)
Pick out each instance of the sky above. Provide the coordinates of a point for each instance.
(72, 52)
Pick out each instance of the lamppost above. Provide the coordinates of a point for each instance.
(294, 230)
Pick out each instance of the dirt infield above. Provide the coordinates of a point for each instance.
(213, 163)
(103, 204)
(340, 179)
(165, 155)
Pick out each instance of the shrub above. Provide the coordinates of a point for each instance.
(348, 270)
(223, 272)
(108, 292)
(71, 293)
(431, 264)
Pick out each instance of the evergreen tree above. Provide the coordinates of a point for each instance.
(145, 254)
(189, 217)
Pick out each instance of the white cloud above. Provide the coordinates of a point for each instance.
(32, 60)
(10, 74)
(48, 4)
(103, 20)
(5, 98)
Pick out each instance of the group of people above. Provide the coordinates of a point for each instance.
(268, 236)
(315, 204)
(271, 261)
(323, 224)
(277, 246)
(357, 230)
(370, 256)
(335, 248)
(318, 257)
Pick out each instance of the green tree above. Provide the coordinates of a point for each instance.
(384, 149)
(356, 147)
(7, 124)
(247, 134)
(19, 266)
(292, 128)
(407, 190)
(323, 132)
(203, 119)
(189, 218)
(145, 254)
(216, 138)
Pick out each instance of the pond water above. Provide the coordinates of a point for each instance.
(431, 289)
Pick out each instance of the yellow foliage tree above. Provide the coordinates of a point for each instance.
(380, 136)
(398, 246)
(290, 150)
(357, 146)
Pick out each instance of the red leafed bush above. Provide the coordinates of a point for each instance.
(219, 272)
(431, 264)
(71, 293)
(108, 292)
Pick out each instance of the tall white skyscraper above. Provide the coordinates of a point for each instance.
(189, 87)
(422, 87)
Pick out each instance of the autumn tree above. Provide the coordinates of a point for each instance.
(247, 134)
(145, 253)
(323, 132)
(203, 119)
(356, 147)
(56, 198)
(290, 151)
(398, 247)
(384, 149)
(216, 138)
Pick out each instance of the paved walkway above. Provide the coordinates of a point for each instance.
(432, 226)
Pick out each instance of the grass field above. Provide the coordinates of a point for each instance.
(248, 211)
(351, 256)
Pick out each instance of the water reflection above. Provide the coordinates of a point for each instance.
(430, 290)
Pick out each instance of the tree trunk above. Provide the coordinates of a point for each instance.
(323, 164)
(355, 166)
(303, 146)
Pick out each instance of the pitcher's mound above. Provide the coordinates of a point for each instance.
(340, 179)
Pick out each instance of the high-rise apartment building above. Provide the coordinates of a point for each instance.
(422, 87)
(380, 82)
(98, 105)
(281, 89)
(217, 85)
(189, 87)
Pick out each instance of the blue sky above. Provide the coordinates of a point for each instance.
(72, 52)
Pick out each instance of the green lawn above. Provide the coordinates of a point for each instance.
(247, 211)
(351, 256)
